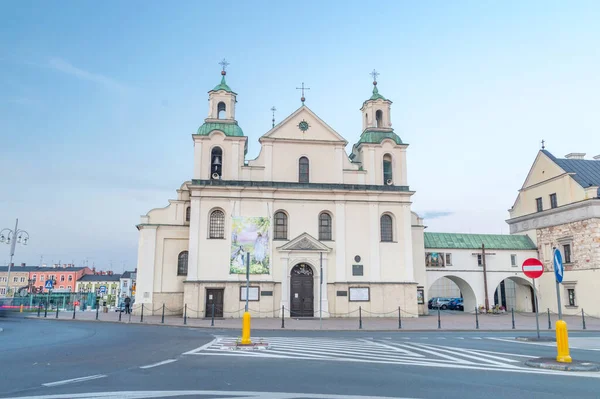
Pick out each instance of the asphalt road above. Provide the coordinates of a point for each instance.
(66, 359)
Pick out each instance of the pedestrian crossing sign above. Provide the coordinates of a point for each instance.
(48, 284)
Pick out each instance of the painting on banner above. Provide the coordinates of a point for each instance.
(250, 235)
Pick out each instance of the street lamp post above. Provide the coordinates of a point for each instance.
(13, 237)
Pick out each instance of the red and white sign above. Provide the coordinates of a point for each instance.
(533, 268)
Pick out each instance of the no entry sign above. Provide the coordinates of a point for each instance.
(533, 268)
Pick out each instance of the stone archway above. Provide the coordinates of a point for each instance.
(514, 293)
(302, 291)
(467, 292)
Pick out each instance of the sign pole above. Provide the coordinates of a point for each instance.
(247, 278)
(537, 320)
(321, 295)
(558, 299)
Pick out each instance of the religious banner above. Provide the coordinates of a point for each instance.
(250, 235)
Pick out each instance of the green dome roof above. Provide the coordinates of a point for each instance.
(223, 86)
(376, 137)
(230, 129)
(376, 95)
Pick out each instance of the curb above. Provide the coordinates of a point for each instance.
(302, 329)
(536, 339)
(552, 364)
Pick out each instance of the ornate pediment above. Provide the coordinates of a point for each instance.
(304, 242)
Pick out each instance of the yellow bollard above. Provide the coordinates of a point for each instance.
(21, 309)
(246, 329)
(562, 342)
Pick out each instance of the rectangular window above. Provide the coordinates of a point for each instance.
(15, 279)
(124, 284)
(539, 205)
(34, 277)
(567, 253)
(513, 260)
(22, 279)
(357, 270)
(479, 260)
(41, 277)
(448, 259)
(70, 278)
(553, 202)
(571, 294)
(62, 278)
(2, 291)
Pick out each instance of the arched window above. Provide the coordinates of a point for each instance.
(379, 118)
(281, 226)
(387, 169)
(182, 263)
(325, 227)
(386, 228)
(216, 224)
(221, 110)
(216, 163)
(366, 119)
(303, 169)
(188, 213)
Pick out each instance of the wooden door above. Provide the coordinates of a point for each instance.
(214, 296)
(302, 291)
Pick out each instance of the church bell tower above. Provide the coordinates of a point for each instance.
(221, 100)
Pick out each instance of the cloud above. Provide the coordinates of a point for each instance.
(436, 214)
(64, 66)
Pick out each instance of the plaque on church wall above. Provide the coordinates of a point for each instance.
(359, 294)
(266, 293)
(357, 270)
(342, 293)
(253, 293)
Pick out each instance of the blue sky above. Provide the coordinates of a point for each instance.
(98, 101)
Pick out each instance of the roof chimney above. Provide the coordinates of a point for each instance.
(575, 155)
(23, 264)
(597, 157)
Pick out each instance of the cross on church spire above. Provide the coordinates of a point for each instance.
(374, 74)
(302, 88)
(543, 144)
(224, 65)
(273, 109)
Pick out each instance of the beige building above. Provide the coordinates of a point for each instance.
(305, 213)
(559, 207)
(18, 279)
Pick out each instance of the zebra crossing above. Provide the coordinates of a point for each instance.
(369, 350)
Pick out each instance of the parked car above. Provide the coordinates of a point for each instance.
(456, 304)
(441, 303)
(430, 302)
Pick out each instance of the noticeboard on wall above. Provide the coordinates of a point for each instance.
(420, 296)
(253, 293)
(359, 294)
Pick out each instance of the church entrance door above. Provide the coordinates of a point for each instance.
(214, 296)
(302, 291)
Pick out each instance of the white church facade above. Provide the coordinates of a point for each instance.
(323, 230)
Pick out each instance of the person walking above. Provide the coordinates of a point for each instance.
(127, 304)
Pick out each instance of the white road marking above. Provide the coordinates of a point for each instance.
(378, 352)
(149, 366)
(73, 380)
(396, 349)
(221, 394)
(202, 347)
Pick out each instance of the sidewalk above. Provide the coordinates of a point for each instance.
(449, 321)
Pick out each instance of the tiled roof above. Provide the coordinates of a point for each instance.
(100, 277)
(474, 241)
(17, 268)
(42, 269)
(586, 172)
